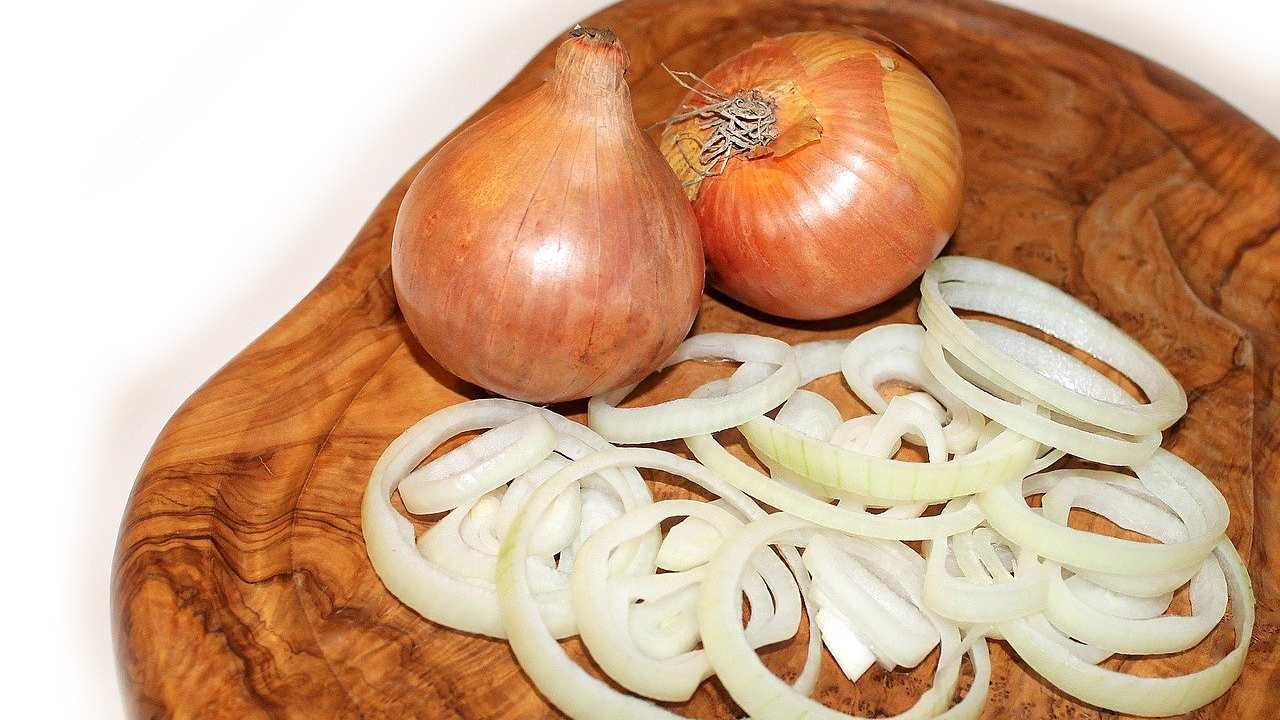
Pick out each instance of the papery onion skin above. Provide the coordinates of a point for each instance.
(859, 191)
(546, 252)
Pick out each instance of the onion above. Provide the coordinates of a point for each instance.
(824, 168)
(683, 417)
(430, 575)
(553, 672)
(964, 601)
(546, 252)
(982, 285)
(1187, 491)
(893, 352)
(649, 647)
(892, 482)
(757, 690)
(1025, 417)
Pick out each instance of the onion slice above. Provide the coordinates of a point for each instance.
(553, 672)
(963, 600)
(985, 286)
(1144, 696)
(712, 454)
(762, 694)
(1165, 476)
(680, 418)
(891, 482)
(459, 599)
(1072, 616)
(892, 352)
(648, 647)
(1090, 443)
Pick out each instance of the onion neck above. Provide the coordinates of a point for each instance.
(591, 62)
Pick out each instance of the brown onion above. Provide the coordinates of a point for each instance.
(547, 252)
(825, 171)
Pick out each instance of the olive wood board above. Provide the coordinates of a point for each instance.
(241, 588)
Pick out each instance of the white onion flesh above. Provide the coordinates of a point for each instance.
(1164, 476)
(894, 482)
(1092, 444)
(654, 657)
(757, 690)
(1145, 696)
(892, 352)
(464, 598)
(563, 682)
(675, 419)
(985, 286)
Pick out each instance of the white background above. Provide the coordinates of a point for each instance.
(175, 176)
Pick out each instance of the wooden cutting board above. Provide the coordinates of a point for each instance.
(241, 587)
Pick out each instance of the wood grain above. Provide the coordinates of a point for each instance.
(241, 587)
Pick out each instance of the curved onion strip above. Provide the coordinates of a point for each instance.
(712, 454)
(464, 543)
(683, 417)
(462, 603)
(813, 415)
(1164, 476)
(978, 556)
(809, 413)
(757, 690)
(905, 416)
(566, 685)
(600, 506)
(965, 601)
(880, 435)
(985, 286)
(819, 358)
(454, 599)
(1047, 457)
(1144, 696)
(1165, 634)
(655, 658)
(892, 352)
(1150, 586)
(487, 462)
(1117, 604)
(1047, 360)
(1097, 445)
(892, 482)
(877, 595)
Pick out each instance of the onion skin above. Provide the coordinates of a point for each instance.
(859, 191)
(547, 252)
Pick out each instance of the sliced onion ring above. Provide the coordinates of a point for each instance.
(965, 601)
(892, 352)
(1142, 636)
(981, 285)
(607, 616)
(1144, 696)
(757, 690)
(1092, 444)
(675, 419)
(711, 453)
(892, 482)
(467, 603)
(1164, 476)
(566, 685)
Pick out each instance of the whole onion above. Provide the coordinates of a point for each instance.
(824, 168)
(547, 252)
